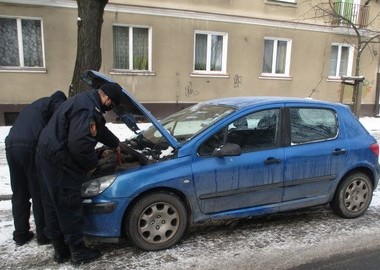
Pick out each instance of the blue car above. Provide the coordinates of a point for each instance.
(227, 158)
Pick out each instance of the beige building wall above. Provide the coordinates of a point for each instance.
(59, 36)
(171, 84)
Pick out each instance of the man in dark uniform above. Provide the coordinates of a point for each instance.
(66, 153)
(20, 146)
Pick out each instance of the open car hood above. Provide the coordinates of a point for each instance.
(129, 109)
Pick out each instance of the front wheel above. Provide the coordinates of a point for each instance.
(353, 196)
(157, 221)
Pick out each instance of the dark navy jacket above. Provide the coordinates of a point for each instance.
(32, 119)
(68, 139)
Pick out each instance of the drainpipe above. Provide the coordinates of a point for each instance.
(377, 99)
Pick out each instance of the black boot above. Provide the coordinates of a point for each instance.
(23, 239)
(81, 254)
(61, 251)
(42, 239)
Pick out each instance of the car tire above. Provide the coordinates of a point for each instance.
(157, 221)
(353, 196)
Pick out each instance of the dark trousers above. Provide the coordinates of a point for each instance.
(25, 186)
(61, 196)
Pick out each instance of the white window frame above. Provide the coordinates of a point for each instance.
(350, 60)
(208, 57)
(21, 47)
(274, 60)
(130, 40)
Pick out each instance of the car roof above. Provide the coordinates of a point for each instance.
(242, 102)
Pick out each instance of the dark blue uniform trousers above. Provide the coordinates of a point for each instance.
(61, 196)
(25, 186)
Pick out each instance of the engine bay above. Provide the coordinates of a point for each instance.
(134, 153)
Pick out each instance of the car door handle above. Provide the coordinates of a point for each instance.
(272, 160)
(339, 151)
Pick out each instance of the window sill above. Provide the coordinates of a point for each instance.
(209, 75)
(281, 3)
(275, 77)
(334, 79)
(132, 72)
(22, 70)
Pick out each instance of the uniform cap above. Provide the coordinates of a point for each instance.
(113, 91)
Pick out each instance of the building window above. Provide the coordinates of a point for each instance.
(341, 60)
(210, 52)
(132, 47)
(276, 60)
(21, 43)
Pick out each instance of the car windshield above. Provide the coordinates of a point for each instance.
(189, 122)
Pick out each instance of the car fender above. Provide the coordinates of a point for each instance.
(174, 175)
(367, 166)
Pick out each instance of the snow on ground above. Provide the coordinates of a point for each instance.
(245, 244)
(372, 124)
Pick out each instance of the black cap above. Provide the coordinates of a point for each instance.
(113, 91)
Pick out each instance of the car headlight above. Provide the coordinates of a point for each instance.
(96, 186)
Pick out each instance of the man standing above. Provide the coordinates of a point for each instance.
(20, 146)
(66, 153)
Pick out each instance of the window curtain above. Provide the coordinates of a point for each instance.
(333, 60)
(8, 45)
(268, 56)
(343, 61)
(216, 53)
(281, 57)
(140, 48)
(32, 43)
(121, 47)
(200, 52)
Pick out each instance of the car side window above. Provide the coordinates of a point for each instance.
(253, 132)
(312, 124)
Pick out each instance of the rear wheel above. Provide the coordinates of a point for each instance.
(157, 221)
(353, 196)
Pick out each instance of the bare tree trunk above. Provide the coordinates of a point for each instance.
(89, 54)
(356, 95)
(377, 105)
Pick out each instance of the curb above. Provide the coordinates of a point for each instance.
(5, 197)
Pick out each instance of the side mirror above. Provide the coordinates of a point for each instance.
(228, 149)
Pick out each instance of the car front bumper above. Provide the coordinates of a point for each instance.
(99, 208)
(103, 219)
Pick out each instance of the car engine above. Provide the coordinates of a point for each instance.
(134, 153)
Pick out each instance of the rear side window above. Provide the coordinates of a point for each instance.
(312, 124)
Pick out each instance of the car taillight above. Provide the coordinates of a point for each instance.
(375, 148)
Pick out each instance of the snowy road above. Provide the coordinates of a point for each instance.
(280, 241)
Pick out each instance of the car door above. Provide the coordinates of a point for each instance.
(253, 178)
(315, 156)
